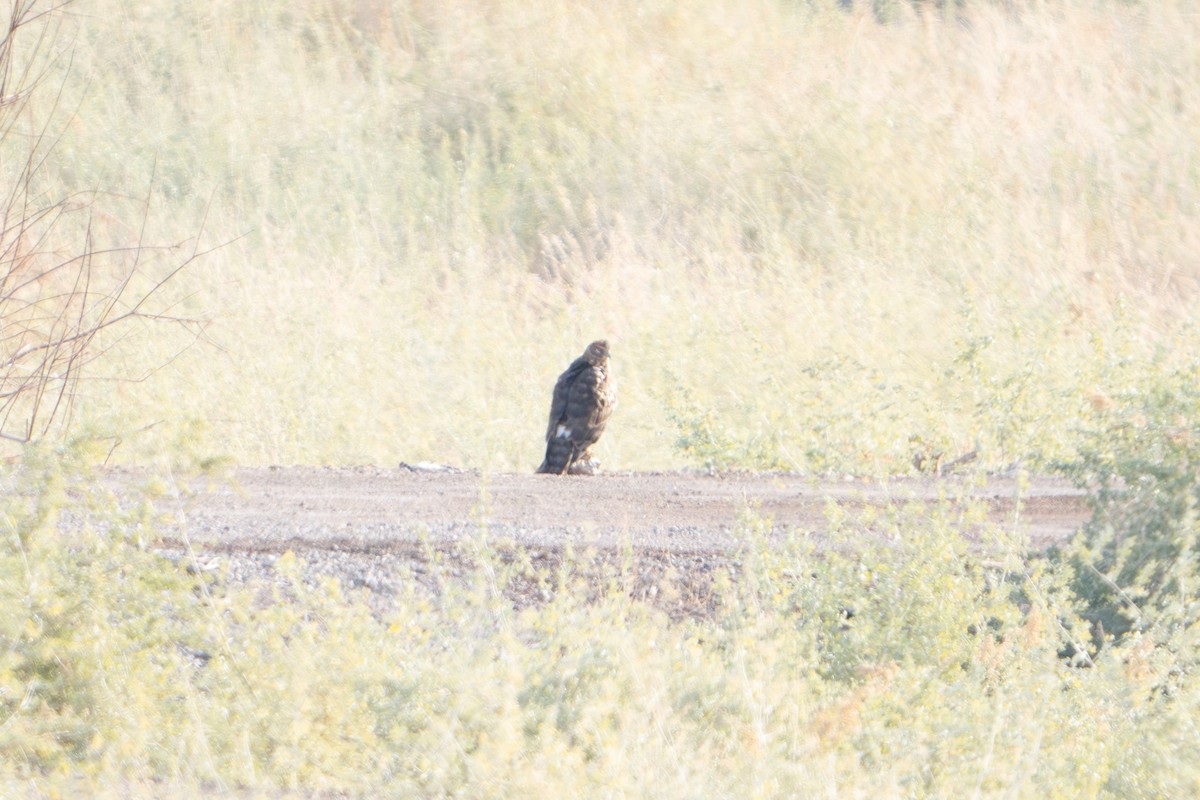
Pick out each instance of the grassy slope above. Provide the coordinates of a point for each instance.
(818, 242)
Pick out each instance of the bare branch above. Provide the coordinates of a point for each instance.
(60, 290)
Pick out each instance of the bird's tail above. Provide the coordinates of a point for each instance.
(560, 454)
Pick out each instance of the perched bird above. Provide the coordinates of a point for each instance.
(584, 398)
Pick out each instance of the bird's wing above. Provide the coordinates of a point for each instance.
(562, 395)
(589, 405)
(601, 400)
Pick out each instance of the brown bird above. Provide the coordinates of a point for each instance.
(584, 398)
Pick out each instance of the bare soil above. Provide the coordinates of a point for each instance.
(373, 528)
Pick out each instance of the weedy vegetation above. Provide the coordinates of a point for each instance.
(867, 240)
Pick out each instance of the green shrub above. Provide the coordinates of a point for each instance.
(1136, 562)
(92, 625)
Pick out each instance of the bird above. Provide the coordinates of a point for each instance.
(584, 398)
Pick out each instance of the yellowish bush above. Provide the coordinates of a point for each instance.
(870, 666)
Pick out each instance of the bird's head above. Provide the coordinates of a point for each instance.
(596, 353)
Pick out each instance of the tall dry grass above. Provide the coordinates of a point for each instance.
(818, 240)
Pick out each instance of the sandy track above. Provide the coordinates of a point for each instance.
(375, 529)
(378, 509)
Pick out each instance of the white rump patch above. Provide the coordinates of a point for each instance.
(563, 432)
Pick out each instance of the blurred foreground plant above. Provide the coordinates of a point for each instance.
(884, 658)
(1137, 563)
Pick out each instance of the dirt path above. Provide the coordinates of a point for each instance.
(373, 528)
(370, 508)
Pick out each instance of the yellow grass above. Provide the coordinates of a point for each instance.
(831, 240)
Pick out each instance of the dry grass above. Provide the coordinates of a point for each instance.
(828, 236)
